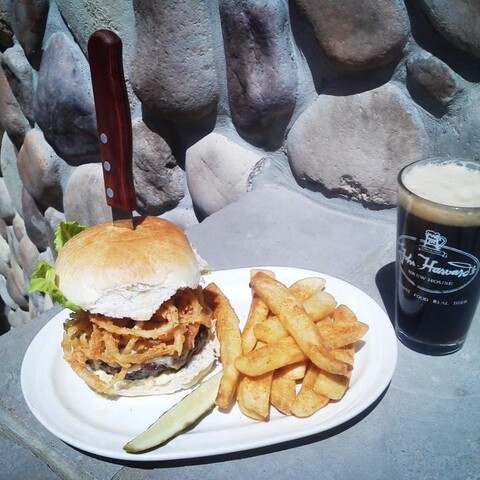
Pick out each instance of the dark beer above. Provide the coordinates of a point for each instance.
(438, 279)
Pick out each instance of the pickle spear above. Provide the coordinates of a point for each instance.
(178, 418)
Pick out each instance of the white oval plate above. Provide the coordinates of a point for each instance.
(69, 409)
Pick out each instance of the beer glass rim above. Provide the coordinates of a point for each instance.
(438, 160)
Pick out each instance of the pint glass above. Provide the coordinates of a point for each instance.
(438, 253)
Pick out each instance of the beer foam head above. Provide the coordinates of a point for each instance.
(446, 191)
(455, 183)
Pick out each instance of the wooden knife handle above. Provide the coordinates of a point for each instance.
(113, 118)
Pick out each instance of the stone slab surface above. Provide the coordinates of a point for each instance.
(426, 425)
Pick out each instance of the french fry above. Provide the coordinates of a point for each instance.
(324, 320)
(257, 314)
(270, 357)
(295, 371)
(330, 385)
(344, 330)
(254, 396)
(320, 305)
(283, 392)
(295, 320)
(254, 271)
(306, 287)
(344, 354)
(343, 313)
(307, 401)
(229, 337)
(270, 330)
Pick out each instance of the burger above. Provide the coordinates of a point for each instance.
(141, 326)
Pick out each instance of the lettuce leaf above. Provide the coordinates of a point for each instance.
(65, 231)
(43, 279)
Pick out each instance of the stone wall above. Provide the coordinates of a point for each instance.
(329, 97)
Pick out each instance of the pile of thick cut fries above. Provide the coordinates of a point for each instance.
(295, 352)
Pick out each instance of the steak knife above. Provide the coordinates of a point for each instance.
(114, 123)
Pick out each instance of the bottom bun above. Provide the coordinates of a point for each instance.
(170, 382)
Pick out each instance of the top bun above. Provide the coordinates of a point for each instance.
(119, 272)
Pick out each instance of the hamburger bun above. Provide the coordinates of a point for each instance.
(120, 272)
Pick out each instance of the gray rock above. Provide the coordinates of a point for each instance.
(6, 32)
(84, 17)
(173, 71)
(355, 145)
(41, 170)
(9, 168)
(434, 77)
(159, 181)
(3, 228)
(459, 25)
(16, 286)
(48, 255)
(84, 197)
(457, 135)
(4, 295)
(63, 102)
(28, 19)
(217, 171)
(47, 303)
(358, 35)
(18, 227)
(35, 224)
(261, 69)
(35, 304)
(38, 303)
(4, 257)
(7, 209)
(184, 214)
(53, 217)
(452, 100)
(27, 255)
(13, 244)
(19, 74)
(18, 317)
(12, 119)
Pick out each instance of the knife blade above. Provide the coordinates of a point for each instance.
(114, 123)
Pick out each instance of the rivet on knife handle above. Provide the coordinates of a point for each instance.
(113, 118)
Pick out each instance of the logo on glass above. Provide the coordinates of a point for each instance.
(432, 266)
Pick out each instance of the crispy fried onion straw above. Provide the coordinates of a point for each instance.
(123, 343)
